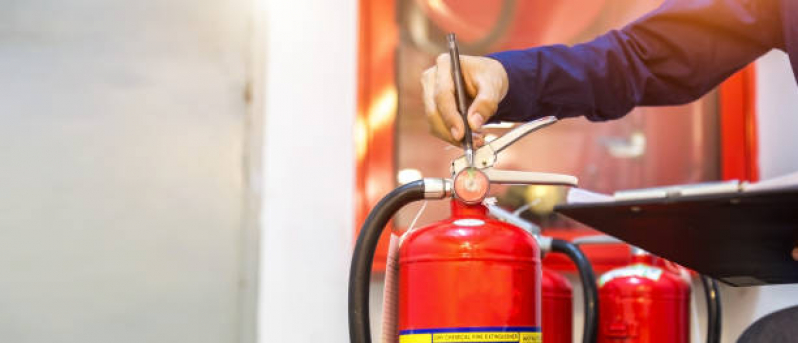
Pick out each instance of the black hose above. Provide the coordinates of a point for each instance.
(363, 256)
(713, 308)
(589, 287)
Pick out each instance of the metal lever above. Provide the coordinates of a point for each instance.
(513, 177)
(519, 132)
(485, 156)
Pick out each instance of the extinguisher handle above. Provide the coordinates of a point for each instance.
(519, 132)
(714, 312)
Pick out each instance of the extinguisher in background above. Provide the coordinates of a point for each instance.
(557, 306)
(648, 301)
(556, 290)
(469, 277)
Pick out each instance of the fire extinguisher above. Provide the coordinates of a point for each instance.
(466, 278)
(648, 301)
(644, 302)
(556, 290)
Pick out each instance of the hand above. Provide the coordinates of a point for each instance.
(485, 81)
(795, 252)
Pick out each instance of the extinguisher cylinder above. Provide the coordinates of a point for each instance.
(469, 278)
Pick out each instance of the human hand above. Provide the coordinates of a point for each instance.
(485, 81)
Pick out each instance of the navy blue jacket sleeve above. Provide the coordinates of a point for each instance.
(670, 56)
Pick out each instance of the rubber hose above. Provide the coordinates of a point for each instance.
(363, 256)
(713, 309)
(589, 286)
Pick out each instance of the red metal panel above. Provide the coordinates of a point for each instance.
(738, 126)
(376, 111)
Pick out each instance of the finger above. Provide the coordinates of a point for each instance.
(439, 129)
(469, 67)
(795, 253)
(484, 105)
(445, 100)
(436, 125)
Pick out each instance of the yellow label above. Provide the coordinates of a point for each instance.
(468, 337)
(416, 338)
(471, 335)
(531, 337)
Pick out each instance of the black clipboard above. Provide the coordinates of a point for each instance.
(742, 239)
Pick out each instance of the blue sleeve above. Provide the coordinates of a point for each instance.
(671, 56)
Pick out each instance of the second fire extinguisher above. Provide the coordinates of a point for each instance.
(648, 301)
(644, 302)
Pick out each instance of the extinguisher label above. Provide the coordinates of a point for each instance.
(637, 270)
(516, 334)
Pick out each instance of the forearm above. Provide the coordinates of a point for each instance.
(671, 56)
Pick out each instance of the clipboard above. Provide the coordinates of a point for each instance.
(739, 238)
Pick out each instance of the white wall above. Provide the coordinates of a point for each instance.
(308, 162)
(122, 126)
(777, 115)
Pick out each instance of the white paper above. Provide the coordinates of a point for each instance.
(704, 188)
(781, 182)
(580, 196)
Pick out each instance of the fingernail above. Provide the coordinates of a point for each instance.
(477, 120)
(455, 133)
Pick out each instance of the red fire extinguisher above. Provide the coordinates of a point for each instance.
(648, 301)
(493, 261)
(644, 302)
(469, 278)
